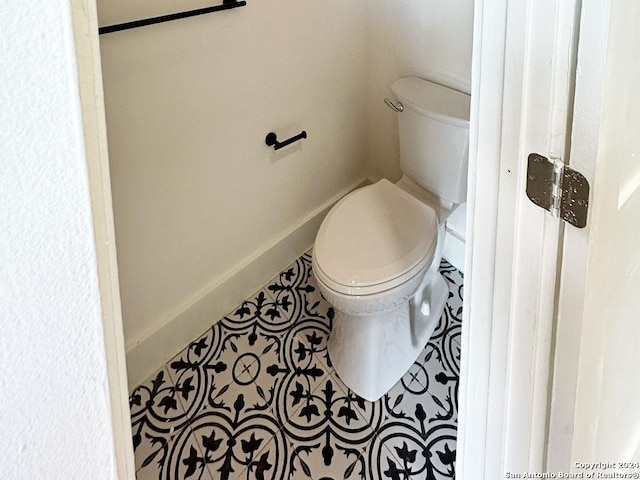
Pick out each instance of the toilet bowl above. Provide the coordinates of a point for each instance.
(378, 250)
(376, 261)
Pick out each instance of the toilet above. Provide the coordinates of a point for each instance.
(377, 252)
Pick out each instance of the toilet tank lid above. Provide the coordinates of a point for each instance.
(433, 100)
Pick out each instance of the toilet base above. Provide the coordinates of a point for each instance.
(371, 353)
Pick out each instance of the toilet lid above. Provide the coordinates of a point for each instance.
(375, 236)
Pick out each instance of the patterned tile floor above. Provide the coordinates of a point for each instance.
(256, 398)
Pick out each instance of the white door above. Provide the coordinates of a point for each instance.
(551, 353)
(595, 407)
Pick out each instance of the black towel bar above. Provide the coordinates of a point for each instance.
(226, 5)
(272, 140)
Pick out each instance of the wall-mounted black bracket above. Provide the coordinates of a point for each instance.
(272, 140)
(226, 5)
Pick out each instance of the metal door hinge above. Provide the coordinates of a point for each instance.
(558, 188)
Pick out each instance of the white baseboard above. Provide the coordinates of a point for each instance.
(148, 354)
(453, 250)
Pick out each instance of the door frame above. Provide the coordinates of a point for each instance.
(89, 70)
(522, 98)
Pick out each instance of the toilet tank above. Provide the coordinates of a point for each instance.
(434, 136)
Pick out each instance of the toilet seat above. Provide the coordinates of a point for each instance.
(375, 239)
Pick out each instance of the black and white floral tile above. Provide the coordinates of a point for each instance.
(256, 397)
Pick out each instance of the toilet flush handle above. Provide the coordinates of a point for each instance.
(398, 107)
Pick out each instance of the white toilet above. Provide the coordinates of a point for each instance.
(377, 253)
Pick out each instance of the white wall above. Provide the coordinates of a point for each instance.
(196, 191)
(426, 38)
(55, 414)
